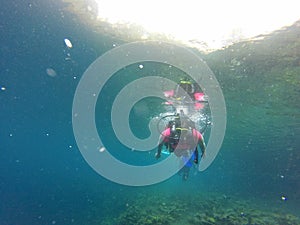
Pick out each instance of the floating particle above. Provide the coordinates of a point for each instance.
(51, 72)
(3, 88)
(68, 43)
(141, 66)
(102, 149)
(283, 198)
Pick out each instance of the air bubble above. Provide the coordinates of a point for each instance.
(68, 43)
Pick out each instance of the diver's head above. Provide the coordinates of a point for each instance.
(184, 123)
(185, 87)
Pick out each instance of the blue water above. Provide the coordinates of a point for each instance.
(45, 180)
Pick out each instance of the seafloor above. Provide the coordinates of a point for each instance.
(198, 210)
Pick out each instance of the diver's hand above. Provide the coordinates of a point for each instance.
(157, 155)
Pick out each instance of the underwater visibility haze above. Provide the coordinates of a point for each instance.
(46, 47)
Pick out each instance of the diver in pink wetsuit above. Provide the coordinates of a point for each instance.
(185, 90)
(182, 139)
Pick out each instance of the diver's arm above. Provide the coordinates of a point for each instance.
(196, 154)
(159, 148)
(201, 143)
(162, 141)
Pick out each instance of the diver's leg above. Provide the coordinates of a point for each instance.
(186, 172)
(188, 163)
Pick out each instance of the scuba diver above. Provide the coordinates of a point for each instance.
(181, 138)
(184, 91)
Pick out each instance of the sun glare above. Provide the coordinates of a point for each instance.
(212, 21)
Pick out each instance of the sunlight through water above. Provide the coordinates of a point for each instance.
(214, 22)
